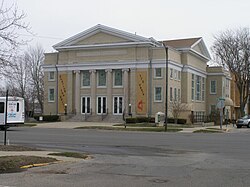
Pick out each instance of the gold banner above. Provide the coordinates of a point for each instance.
(62, 89)
(141, 88)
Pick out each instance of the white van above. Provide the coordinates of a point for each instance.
(15, 111)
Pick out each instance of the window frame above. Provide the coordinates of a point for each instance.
(118, 105)
(215, 89)
(114, 75)
(49, 100)
(82, 74)
(98, 79)
(86, 107)
(171, 73)
(155, 73)
(193, 87)
(161, 95)
(171, 94)
(49, 77)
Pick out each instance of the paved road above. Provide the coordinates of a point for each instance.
(137, 159)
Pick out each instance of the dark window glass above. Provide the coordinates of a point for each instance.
(1, 107)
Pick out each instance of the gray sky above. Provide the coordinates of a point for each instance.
(55, 20)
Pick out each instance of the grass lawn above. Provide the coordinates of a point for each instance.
(171, 125)
(70, 154)
(11, 164)
(208, 131)
(17, 148)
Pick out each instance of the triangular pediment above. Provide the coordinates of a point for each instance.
(101, 35)
(101, 38)
(201, 48)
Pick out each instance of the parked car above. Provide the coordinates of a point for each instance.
(244, 121)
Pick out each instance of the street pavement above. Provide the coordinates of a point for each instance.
(135, 158)
(72, 125)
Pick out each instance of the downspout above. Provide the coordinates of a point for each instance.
(150, 82)
(57, 58)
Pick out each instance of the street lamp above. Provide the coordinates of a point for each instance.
(166, 88)
(65, 109)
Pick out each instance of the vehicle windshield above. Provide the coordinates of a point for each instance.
(246, 117)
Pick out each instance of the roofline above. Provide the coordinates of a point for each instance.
(111, 45)
(103, 28)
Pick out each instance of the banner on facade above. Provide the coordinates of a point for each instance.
(141, 90)
(62, 89)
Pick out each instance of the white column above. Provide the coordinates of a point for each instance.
(93, 91)
(77, 92)
(109, 90)
(126, 89)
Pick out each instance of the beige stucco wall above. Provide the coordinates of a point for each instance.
(101, 38)
(160, 54)
(49, 107)
(50, 58)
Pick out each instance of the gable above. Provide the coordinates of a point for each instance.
(197, 49)
(201, 48)
(101, 38)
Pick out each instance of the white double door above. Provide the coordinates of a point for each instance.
(102, 105)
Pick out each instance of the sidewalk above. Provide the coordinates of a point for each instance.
(71, 125)
(39, 154)
(227, 128)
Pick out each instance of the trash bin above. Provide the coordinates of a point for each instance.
(159, 118)
(40, 118)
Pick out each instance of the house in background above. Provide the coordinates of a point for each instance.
(103, 72)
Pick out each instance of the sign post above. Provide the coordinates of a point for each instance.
(220, 105)
(6, 115)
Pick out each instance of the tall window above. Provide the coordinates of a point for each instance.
(192, 86)
(179, 94)
(158, 94)
(85, 78)
(179, 75)
(212, 87)
(175, 94)
(51, 95)
(198, 88)
(117, 105)
(171, 73)
(51, 76)
(158, 73)
(101, 78)
(175, 74)
(203, 89)
(171, 93)
(118, 77)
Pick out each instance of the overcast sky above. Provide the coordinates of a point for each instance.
(56, 20)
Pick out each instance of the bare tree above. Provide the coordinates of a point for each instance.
(35, 58)
(18, 79)
(232, 50)
(176, 107)
(11, 23)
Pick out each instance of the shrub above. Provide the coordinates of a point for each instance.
(48, 118)
(181, 121)
(140, 120)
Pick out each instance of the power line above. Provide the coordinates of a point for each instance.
(37, 36)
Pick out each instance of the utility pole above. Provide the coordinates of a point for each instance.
(166, 88)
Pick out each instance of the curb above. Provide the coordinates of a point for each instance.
(39, 165)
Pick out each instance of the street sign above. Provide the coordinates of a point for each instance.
(220, 104)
